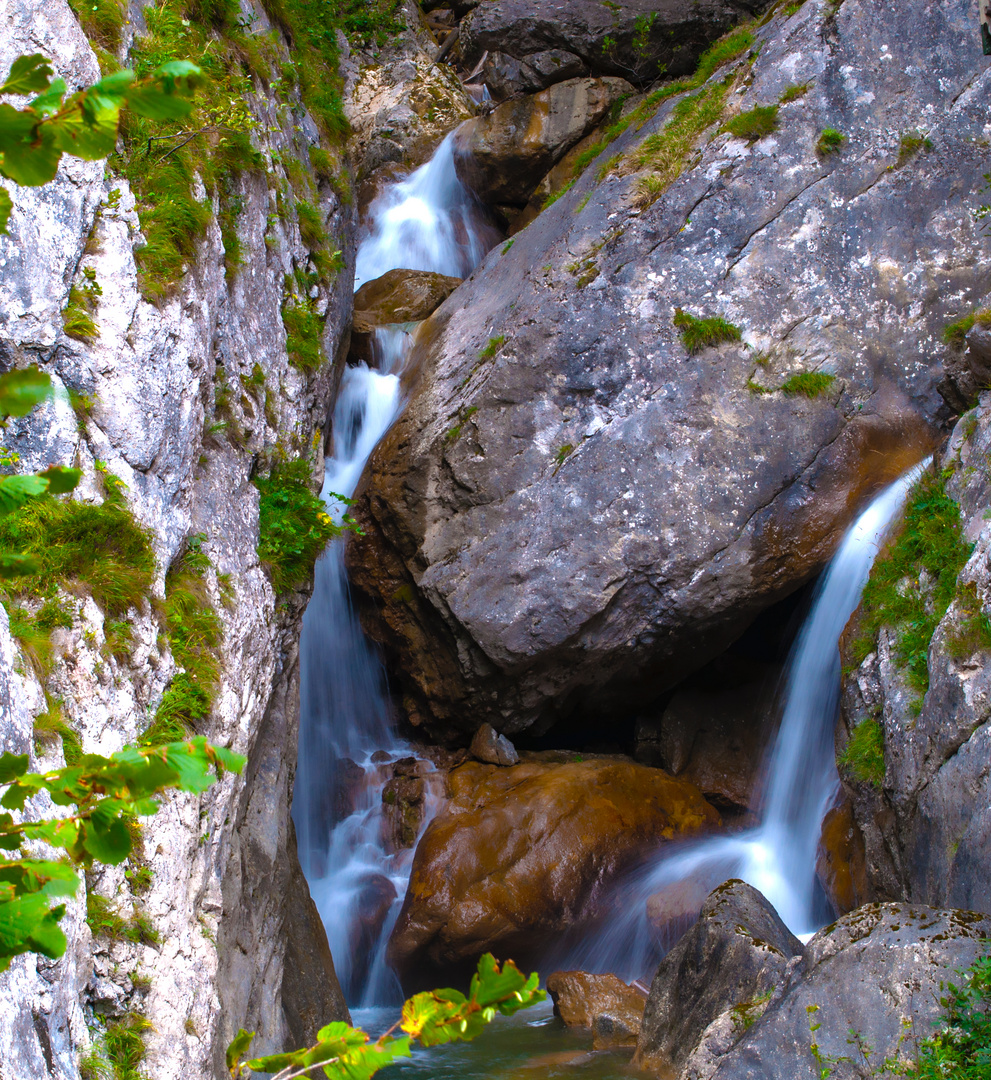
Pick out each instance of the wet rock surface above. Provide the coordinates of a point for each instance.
(517, 854)
(610, 1008)
(636, 40)
(738, 951)
(614, 509)
(400, 296)
(873, 972)
(927, 827)
(841, 861)
(503, 155)
(490, 747)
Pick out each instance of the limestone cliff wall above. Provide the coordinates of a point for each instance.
(224, 873)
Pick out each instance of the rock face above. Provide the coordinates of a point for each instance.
(841, 862)
(637, 40)
(737, 952)
(490, 747)
(616, 509)
(238, 941)
(874, 970)
(604, 1004)
(520, 853)
(927, 829)
(503, 156)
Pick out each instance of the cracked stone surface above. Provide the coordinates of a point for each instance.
(223, 864)
(614, 510)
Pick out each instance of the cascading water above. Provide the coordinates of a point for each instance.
(777, 857)
(428, 221)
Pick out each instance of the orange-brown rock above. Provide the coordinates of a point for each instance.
(521, 854)
(841, 861)
(604, 1003)
(398, 296)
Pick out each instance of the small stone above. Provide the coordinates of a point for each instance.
(492, 748)
(604, 1003)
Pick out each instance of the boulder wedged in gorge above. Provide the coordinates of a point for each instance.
(574, 511)
(876, 972)
(522, 852)
(503, 155)
(399, 296)
(926, 823)
(637, 39)
(738, 951)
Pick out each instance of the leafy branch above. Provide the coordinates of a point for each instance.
(85, 124)
(107, 793)
(432, 1018)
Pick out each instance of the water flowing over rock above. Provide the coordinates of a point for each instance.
(737, 952)
(927, 825)
(636, 40)
(519, 853)
(225, 895)
(614, 510)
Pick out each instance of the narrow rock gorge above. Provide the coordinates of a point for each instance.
(549, 443)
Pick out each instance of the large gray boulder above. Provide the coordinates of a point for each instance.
(876, 972)
(637, 40)
(574, 512)
(737, 952)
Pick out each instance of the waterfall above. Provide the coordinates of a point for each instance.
(778, 856)
(347, 740)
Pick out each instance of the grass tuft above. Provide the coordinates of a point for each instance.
(909, 145)
(698, 334)
(755, 124)
(973, 631)
(863, 755)
(810, 384)
(830, 141)
(794, 92)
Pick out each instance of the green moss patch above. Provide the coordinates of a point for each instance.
(810, 384)
(754, 124)
(863, 755)
(914, 580)
(698, 334)
(830, 141)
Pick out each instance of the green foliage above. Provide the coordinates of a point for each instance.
(304, 334)
(99, 549)
(294, 526)
(973, 630)
(493, 346)
(194, 634)
(77, 316)
(125, 1046)
(106, 794)
(432, 1018)
(101, 21)
(909, 145)
(50, 725)
(508, 244)
(914, 580)
(84, 124)
(454, 433)
(794, 92)
(810, 384)
(863, 755)
(955, 335)
(698, 334)
(830, 141)
(755, 124)
(962, 1046)
(563, 452)
(104, 919)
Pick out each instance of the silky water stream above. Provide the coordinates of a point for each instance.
(348, 742)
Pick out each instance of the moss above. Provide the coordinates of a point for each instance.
(304, 334)
(454, 433)
(125, 1047)
(194, 634)
(794, 92)
(505, 247)
(830, 141)
(909, 145)
(665, 153)
(955, 335)
(563, 452)
(698, 334)
(555, 195)
(972, 633)
(493, 346)
(914, 580)
(863, 755)
(77, 316)
(51, 725)
(810, 384)
(754, 124)
(104, 919)
(294, 526)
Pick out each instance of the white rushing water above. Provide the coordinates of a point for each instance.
(778, 856)
(347, 738)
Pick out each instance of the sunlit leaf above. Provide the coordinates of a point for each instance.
(15, 491)
(238, 1047)
(22, 390)
(12, 766)
(28, 75)
(88, 131)
(49, 102)
(6, 205)
(61, 480)
(30, 156)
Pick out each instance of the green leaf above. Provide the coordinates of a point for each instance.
(6, 205)
(238, 1047)
(366, 1061)
(276, 1062)
(49, 103)
(28, 75)
(17, 565)
(12, 766)
(61, 480)
(30, 156)
(107, 838)
(27, 924)
(156, 104)
(89, 131)
(115, 84)
(23, 390)
(15, 491)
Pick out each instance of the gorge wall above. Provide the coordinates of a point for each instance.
(184, 390)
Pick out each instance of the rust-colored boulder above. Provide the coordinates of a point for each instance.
(492, 748)
(520, 854)
(603, 1003)
(397, 297)
(841, 861)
